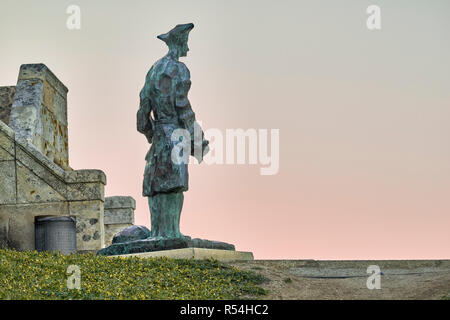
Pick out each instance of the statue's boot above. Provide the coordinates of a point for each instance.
(165, 211)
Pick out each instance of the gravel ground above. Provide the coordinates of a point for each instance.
(311, 279)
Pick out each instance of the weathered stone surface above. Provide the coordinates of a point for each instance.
(6, 100)
(17, 222)
(28, 93)
(119, 209)
(87, 175)
(42, 72)
(120, 202)
(7, 182)
(35, 179)
(34, 159)
(159, 244)
(39, 112)
(132, 233)
(31, 188)
(7, 151)
(6, 130)
(119, 216)
(85, 191)
(4, 227)
(24, 120)
(41, 166)
(89, 224)
(5, 155)
(85, 185)
(40, 180)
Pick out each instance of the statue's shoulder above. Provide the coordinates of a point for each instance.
(184, 71)
(170, 67)
(158, 66)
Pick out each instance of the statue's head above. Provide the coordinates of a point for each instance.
(177, 38)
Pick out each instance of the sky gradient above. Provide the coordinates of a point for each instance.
(363, 115)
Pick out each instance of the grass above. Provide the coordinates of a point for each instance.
(287, 280)
(43, 275)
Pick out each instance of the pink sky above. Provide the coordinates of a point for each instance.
(363, 115)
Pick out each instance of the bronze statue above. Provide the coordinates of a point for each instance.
(165, 96)
(164, 110)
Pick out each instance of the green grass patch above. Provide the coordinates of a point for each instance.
(43, 275)
(287, 280)
(256, 268)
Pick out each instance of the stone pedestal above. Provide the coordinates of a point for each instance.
(158, 244)
(195, 253)
(119, 214)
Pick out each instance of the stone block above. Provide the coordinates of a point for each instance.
(39, 112)
(49, 97)
(7, 182)
(85, 191)
(119, 216)
(88, 175)
(120, 202)
(42, 72)
(6, 100)
(85, 185)
(24, 121)
(60, 107)
(28, 93)
(89, 224)
(31, 188)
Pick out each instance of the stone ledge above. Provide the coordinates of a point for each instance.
(84, 176)
(42, 72)
(194, 253)
(119, 215)
(4, 128)
(30, 149)
(117, 202)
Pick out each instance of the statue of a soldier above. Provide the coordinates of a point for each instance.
(164, 108)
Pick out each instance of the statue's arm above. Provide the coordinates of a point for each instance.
(187, 116)
(144, 120)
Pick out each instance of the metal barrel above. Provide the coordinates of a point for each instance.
(57, 234)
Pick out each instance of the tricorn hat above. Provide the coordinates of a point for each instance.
(176, 34)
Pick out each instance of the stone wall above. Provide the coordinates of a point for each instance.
(35, 176)
(6, 101)
(39, 112)
(119, 214)
(31, 185)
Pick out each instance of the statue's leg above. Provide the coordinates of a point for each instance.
(165, 211)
